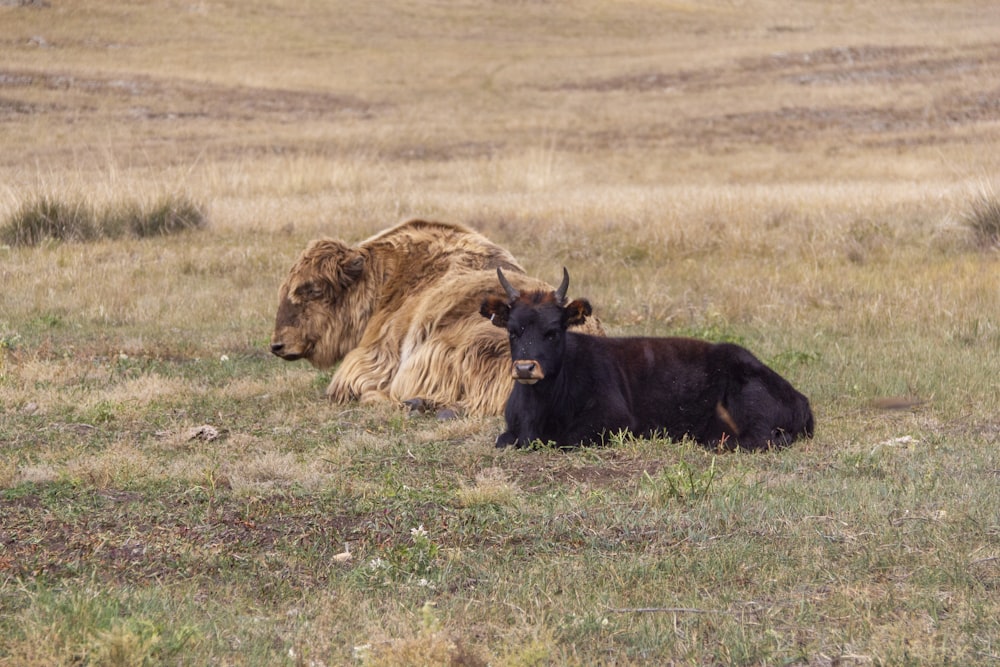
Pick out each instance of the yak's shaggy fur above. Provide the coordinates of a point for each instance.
(575, 389)
(400, 312)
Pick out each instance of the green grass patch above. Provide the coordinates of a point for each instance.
(340, 534)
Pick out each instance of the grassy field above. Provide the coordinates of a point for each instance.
(812, 180)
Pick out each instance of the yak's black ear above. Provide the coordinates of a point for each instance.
(496, 310)
(576, 312)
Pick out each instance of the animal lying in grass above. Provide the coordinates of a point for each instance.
(397, 312)
(574, 389)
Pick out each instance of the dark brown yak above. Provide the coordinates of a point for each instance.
(574, 389)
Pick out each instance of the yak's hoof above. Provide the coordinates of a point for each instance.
(446, 414)
(415, 405)
(419, 406)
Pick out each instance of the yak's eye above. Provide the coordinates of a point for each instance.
(310, 290)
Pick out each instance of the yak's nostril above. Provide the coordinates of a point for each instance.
(277, 348)
(525, 367)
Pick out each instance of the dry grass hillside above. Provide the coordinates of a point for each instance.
(817, 181)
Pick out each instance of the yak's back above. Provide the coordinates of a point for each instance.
(418, 252)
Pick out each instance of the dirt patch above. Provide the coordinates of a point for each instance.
(850, 117)
(130, 537)
(176, 118)
(853, 65)
(10, 108)
(542, 470)
(868, 64)
(141, 97)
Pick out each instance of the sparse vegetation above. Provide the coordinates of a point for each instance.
(768, 173)
(167, 215)
(983, 218)
(49, 219)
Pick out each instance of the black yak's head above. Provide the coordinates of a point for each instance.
(536, 323)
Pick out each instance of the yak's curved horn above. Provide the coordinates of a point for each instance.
(512, 293)
(561, 292)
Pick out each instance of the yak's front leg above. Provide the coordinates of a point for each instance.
(506, 439)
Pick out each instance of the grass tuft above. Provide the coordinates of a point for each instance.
(680, 481)
(492, 488)
(168, 215)
(124, 645)
(983, 218)
(47, 218)
(50, 219)
(431, 645)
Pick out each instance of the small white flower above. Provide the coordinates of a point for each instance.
(376, 564)
(423, 583)
(224, 358)
(419, 531)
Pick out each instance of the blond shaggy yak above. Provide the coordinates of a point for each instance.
(400, 312)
